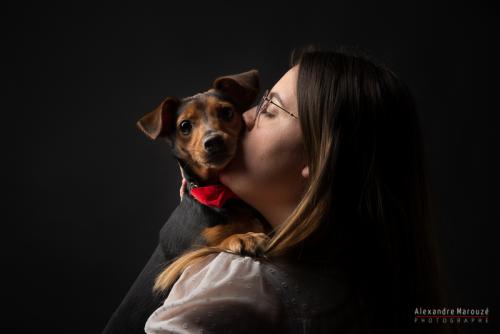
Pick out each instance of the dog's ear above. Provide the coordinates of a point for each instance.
(161, 121)
(243, 87)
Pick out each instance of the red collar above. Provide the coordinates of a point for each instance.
(213, 195)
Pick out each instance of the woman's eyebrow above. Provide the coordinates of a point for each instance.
(274, 94)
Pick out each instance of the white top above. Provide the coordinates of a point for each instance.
(223, 293)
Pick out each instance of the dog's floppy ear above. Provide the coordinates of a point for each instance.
(242, 87)
(161, 121)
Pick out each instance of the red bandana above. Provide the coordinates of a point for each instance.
(213, 195)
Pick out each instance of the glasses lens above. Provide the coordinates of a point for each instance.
(262, 105)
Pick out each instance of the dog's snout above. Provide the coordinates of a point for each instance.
(214, 143)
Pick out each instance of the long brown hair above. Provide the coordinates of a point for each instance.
(367, 201)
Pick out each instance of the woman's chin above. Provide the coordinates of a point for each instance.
(225, 175)
(228, 176)
(234, 174)
(229, 169)
(222, 178)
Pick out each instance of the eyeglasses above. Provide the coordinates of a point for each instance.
(264, 103)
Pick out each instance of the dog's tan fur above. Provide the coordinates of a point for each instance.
(191, 147)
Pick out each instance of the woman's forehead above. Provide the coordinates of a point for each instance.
(285, 89)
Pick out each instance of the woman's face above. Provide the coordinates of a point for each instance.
(269, 168)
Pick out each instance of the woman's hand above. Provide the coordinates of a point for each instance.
(183, 184)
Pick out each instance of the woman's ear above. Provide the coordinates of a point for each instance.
(305, 172)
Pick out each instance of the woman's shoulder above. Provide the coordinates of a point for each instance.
(222, 290)
(247, 295)
(223, 270)
(317, 295)
(223, 266)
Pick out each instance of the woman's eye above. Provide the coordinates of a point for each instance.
(266, 113)
(226, 113)
(185, 127)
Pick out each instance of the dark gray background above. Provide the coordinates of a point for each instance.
(87, 192)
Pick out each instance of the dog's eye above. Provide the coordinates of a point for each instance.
(226, 113)
(185, 127)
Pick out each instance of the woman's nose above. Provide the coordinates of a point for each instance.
(249, 118)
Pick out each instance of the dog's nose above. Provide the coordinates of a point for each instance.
(213, 143)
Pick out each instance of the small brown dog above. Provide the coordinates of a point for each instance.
(203, 132)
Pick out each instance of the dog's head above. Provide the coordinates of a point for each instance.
(203, 129)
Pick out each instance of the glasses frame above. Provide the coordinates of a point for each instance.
(264, 103)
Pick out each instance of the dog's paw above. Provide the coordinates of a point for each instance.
(250, 243)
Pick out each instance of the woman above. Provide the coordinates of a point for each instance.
(332, 159)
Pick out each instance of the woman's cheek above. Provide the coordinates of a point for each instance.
(265, 159)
